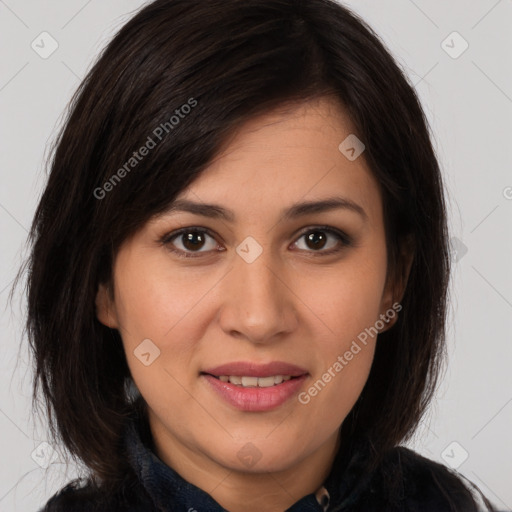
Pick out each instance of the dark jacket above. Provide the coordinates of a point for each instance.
(404, 481)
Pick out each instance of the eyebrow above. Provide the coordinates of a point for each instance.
(215, 211)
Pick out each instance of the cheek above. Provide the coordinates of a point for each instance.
(347, 303)
(345, 355)
(158, 333)
(347, 299)
(154, 300)
(157, 328)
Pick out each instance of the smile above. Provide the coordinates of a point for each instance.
(252, 382)
(254, 394)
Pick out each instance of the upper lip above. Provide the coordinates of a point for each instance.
(251, 369)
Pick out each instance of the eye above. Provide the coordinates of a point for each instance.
(192, 242)
(187, 241)
(317, 240)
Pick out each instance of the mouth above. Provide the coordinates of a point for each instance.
(248, 386)
(246, 381)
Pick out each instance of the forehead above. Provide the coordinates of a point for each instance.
(288, 155)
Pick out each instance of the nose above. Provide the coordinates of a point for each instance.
(258, 303)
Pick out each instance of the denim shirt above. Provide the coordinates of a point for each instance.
(404, 481)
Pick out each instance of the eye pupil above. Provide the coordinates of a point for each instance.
(192, 238)
(317, 238)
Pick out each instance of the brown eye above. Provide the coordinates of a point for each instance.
(193, 240)
(323, 240)
(188, 241)
(196, 242)
(316, 240)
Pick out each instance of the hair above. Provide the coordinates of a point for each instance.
(229, 61)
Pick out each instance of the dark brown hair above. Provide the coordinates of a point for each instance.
(235, 59)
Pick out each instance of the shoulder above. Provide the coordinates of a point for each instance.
(413, 482)
(80, 495)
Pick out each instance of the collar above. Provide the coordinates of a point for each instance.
(170, 492)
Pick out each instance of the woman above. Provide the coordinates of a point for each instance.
(238, 281)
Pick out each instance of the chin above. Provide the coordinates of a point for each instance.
(258, 456)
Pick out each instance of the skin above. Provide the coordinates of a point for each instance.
(291, 304)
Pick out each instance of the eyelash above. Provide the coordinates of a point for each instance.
(167, 239)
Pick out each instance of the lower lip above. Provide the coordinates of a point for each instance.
(256, 398)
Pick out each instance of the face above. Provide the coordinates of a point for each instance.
(267, 289)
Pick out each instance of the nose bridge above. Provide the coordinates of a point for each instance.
(257, 304)
(254, 272)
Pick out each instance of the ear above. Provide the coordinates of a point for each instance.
(396, 284)
(105, 307)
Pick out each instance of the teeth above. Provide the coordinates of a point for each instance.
(236, 380)
(263, 382)
(251, 382)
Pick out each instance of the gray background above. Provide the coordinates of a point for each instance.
(468, 99)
